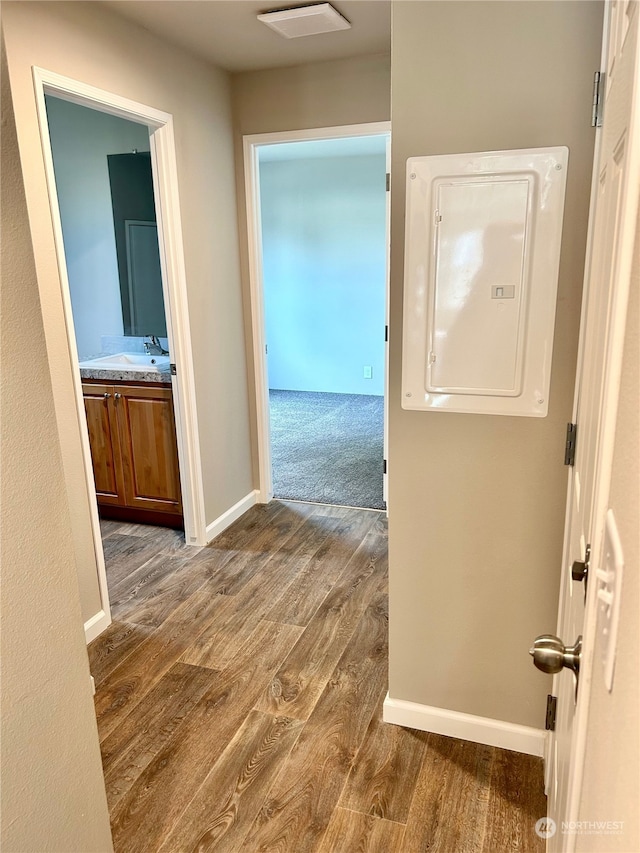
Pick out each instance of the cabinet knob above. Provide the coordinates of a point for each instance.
(117, 396)
(106, 396)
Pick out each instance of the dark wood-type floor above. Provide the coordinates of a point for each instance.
(239, 702)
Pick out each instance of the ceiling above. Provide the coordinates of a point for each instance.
(228, 33)
(352, 146)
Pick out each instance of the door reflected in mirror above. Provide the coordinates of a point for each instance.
(136, 234)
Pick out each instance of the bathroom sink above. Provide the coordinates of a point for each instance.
(135, 361)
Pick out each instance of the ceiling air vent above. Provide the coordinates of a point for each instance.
(305, 20)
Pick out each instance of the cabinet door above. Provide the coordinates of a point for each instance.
(104, 442)
(149, 448)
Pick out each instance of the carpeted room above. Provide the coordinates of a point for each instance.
(324, 237)
(328, 445)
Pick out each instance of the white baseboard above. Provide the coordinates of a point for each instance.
(464, 726)
(223, 521)
(96, 625)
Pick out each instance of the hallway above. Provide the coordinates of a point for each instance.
(239, 702)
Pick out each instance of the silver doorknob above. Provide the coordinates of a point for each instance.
(550, 654)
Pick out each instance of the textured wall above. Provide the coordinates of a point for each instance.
(320, 94)
(477, 502)
(53, 795)
(90, 44)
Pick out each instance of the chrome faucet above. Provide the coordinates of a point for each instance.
(153, 346)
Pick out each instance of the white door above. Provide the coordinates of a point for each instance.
(612, 230)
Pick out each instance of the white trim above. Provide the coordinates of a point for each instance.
(174, 286)
(441, 721)
(165, 180)
(373, 128)
(387, 320)
(333, 506)
(254, 242)
(108, 102)
(223, 521)
(251, 143)
(96, 625)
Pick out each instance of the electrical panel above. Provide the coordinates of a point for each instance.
(482, 251)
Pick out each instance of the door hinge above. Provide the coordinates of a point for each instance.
(386, 333)
(388, 179)
(570, 445)
(598, 99)
(384, 466)
(550, 716)
(173, 370)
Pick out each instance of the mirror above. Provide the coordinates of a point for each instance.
(136, 233)
(105, 195)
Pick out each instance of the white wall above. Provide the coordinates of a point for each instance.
(324, 271)
(81, 139)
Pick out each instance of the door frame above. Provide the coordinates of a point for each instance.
(165, 185)
(251, 145)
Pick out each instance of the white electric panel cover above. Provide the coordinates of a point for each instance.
(482, 251)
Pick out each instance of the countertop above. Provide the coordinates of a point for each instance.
(109, 375)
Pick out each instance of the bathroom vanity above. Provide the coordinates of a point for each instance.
(133, 443)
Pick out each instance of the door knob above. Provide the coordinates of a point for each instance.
(117, 396)
(106, 396)
(550, 654)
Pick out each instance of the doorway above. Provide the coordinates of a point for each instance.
(318, 206)
(104, 183)
(129, 418)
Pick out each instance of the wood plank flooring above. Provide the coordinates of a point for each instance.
(239, 701)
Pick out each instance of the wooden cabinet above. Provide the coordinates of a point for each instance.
(133, 448)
